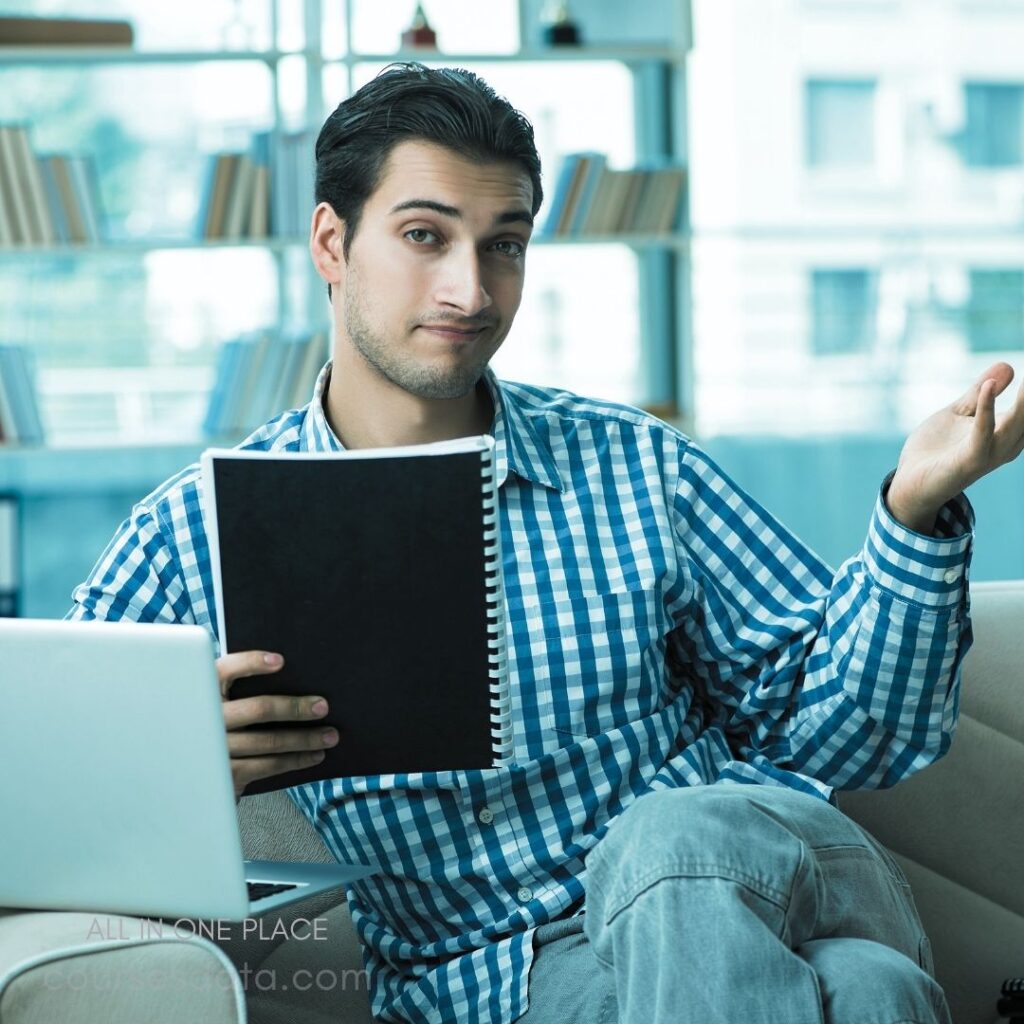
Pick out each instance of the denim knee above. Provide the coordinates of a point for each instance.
(899, 990)
(711, 831)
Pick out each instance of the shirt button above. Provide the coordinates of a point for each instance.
(486, 816)
(951, 576)
(524, 895)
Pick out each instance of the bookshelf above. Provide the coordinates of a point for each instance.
(650, 42)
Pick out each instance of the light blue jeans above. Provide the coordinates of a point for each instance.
(740, 905)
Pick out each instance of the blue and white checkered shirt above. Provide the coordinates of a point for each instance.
(663, 630)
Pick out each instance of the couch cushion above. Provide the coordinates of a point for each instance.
(84, 968)
(315, 980)
(977, 944)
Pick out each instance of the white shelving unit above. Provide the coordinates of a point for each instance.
(659, 73)
(92, 484)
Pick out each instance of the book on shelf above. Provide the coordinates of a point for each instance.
(592, 199)
(17, 198)
(40, 223)
(240, 197)
(413, 527)
(260, 375)
(28, 31)
(258, 223)
(235, 198)
(86, 188)
(10, 556)
(46, 199)
(216, 190)
(594, 166)
(69, 216)
(291, 183)
(20, 420)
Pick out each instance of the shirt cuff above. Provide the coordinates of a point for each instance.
(930, 571)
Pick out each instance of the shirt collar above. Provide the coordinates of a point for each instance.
(519, 448)
(316, 434)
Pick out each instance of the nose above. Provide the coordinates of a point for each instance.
(462, 286)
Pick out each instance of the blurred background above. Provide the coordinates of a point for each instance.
(846, 257)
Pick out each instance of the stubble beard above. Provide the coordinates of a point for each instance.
(422, 380)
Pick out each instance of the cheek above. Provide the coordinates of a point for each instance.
(394, 290)
(508, 292)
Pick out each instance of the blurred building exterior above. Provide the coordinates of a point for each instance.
(858, 209)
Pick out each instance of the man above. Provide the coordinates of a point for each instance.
(690, 683)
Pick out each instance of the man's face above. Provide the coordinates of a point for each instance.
(435, 271)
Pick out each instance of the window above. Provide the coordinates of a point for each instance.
(843, 307)
(994, 316)
(993, 134)
(840, 123)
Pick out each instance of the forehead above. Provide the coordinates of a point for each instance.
(423, 170)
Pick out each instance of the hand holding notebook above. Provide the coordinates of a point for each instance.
(376, 574)
(299, 736)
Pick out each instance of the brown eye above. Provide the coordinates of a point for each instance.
(511, 248)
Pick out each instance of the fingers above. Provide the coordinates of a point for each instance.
(985, 410)
(248, 769)
(261, 753)
(1000, 373)
(231, 667)
(248, 711)
(259, 742)
(1010, 429)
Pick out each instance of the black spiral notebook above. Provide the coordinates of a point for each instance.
(377, 574)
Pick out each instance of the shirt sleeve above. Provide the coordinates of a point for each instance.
(849, 677)
(136, 578)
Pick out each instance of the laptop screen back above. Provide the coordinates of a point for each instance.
(116, 793)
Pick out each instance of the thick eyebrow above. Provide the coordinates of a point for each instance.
(508, 217)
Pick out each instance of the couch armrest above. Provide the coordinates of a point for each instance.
(958, 826)
(85, 968)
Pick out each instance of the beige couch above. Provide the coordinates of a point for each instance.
(958, 830)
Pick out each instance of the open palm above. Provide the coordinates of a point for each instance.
(954, 447)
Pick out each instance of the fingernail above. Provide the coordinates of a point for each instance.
(273, 659)
(330, 737)
(318, 756)
(319, 707)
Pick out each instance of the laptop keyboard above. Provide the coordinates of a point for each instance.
(261, 890)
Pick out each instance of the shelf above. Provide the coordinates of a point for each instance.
(10, 55)
(32, 470)
(25, 55)
(677, 241)
(142, 246)
(635, 54)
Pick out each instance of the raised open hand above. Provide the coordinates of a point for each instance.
(954, 447)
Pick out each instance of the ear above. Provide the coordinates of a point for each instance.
(326, 235)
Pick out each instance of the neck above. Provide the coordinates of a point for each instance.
(367, 412)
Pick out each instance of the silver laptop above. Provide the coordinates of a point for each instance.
(116, 792)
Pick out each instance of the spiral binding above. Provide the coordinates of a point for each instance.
(501, 704)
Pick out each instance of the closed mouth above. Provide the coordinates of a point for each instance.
(453, 331)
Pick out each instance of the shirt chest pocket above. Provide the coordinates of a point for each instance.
(605, 658)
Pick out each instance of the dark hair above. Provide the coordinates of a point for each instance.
(451, 107)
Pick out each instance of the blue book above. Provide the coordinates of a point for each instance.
(563, 184)
(595, 169)
(206, 195)
(21, 393)
(228, 358)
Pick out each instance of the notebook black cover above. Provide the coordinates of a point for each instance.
(369, 575)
